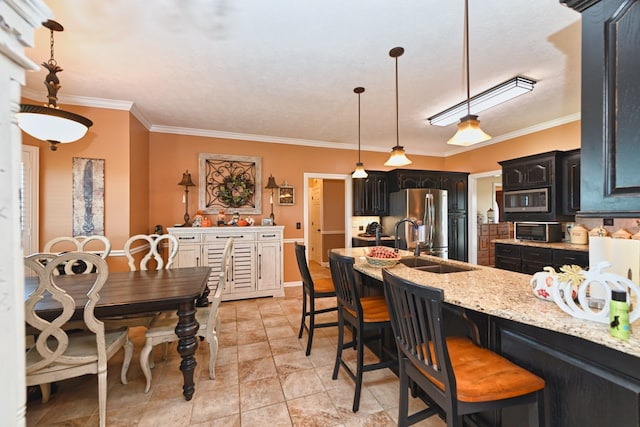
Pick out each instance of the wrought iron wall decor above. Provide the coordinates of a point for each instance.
(88, 196)
(232, 183)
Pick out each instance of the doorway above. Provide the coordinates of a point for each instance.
(477, 208)
(327, 224)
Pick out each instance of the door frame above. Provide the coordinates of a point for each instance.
(348, 204)
(472, 216)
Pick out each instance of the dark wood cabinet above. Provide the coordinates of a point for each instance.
(532, 259)
(370, 195)
(539, 171)
(571, 182)
(610, 114)
(457, 234)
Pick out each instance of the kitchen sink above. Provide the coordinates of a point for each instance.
(432, 266)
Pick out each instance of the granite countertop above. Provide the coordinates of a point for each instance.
(555, 245)
(503, 294)
(373, 238)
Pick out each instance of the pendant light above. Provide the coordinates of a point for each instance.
(359, 172)
(48, 122)
(397, 158)
(469, 131)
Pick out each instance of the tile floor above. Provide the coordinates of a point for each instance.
(262, 377)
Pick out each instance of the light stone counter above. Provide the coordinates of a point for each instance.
(555, 245)
(503, 294)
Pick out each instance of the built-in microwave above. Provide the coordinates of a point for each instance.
(536, 200)
(538, 231)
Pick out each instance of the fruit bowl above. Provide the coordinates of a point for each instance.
(381, 256)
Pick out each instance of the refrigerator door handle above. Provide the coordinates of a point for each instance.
(429, 213)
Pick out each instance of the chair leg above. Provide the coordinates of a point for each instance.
(102, 398)
(403, 405)
(304, 312)
(213, 354)
(312, 323)
(336, 368)
(144, 363)
(128, 355)
(45, 390)
(359, 367)
(540, 406)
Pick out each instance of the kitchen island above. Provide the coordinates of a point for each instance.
(593, 379)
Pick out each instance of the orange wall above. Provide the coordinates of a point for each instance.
(564, 137)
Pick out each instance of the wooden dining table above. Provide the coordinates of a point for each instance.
(139, 292)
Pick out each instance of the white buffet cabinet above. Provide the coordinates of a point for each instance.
(256, 265)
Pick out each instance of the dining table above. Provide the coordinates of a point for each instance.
(136, 292)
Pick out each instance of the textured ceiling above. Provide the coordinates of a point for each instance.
(284, 70)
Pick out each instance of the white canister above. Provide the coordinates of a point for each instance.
(579, 235)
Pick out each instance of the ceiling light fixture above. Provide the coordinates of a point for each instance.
(498, 94)
(48, 122)
(397, 157)
(469, 131)
(359, 172)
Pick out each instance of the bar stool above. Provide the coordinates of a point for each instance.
(456, 373)
(311, 290)
(363, 314)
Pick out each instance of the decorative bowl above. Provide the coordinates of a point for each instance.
(381, 262)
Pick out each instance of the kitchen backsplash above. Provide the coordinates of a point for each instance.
(632, 225)
(362, 221)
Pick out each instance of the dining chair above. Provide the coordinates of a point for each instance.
(143, 252)
(456, 373)
(363, 314)
(58, 354)
(311, 291)
(162, 329)
(98, 245)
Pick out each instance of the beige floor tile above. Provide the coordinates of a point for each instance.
(285, 345)
(254, 351)
(301, 383)
(211, 404)
(287, 363)
(257, 369)
(273, 416)
(261, 393)
(314, 410)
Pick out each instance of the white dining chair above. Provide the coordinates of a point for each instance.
(143, 252)
(98, 245)
(57, 354)
(162, 328)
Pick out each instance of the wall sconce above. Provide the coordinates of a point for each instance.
(187, 182)
(271, 185)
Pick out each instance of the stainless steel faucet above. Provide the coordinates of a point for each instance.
(416, 226)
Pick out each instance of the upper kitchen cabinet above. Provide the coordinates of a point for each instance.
(456, 184)
(533, 188)
(535, 171)
(370, 195)
(610, 182)
(571, 182)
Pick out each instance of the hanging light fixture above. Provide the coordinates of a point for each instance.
(359, 172)
(48, 122)
(397, 157)
(469, 131)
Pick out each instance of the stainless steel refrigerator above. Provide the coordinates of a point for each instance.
(429, 208)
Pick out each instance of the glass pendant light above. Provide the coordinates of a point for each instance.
(469, 131)
(48, 122)
(359, 172)
(397, 158)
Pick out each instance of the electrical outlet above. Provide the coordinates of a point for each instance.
(607, 221)
(298, 226)
(361, 228)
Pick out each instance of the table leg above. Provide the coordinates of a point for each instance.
(187, 345)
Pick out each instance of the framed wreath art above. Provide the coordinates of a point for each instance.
(230, 182)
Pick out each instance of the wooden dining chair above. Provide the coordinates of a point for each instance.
(162, 328)
(313, 290)
(57, 354)
(144, 252)
(455, 372)
(98, 245)
(363, 314)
